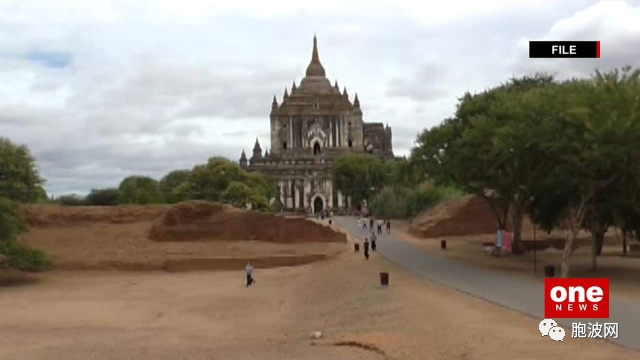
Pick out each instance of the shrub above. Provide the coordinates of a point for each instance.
(18, 256)
(21, 257)
(11, 223)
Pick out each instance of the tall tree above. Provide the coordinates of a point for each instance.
(19, 182)
(19, 179)
(358, 176)
(207, 182)
(169, 185)
(139, 190)
(589, 148)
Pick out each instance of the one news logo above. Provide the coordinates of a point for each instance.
(576, 298)
(564, 49)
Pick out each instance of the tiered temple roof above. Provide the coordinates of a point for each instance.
(315, 93)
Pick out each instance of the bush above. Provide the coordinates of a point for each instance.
(11, 223)
(21, 257)
(19, 178)
(18, 256)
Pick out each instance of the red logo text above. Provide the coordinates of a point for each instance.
(576, 298)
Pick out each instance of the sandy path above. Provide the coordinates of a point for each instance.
(210, 315)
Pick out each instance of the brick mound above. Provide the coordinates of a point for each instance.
(68, 216)
(465, 215)
(203, 221)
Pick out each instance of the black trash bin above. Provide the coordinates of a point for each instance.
(384, 278)
(549, 271)
(356, 247)
(443, 244)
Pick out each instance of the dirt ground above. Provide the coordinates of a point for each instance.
(623, 271)
(207, 315)
(119, 238)
(211, 314)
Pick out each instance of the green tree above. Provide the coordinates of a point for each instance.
(590, 146)
(240, 194)
(139, 190)
(562, 151)
(262, 185)
(358, 176)
(207, 182)
(490, 148)
(170, 183)
(19, 182)
(19, 179)
(11, 223)
(222, 180)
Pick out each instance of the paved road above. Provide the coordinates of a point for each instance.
(525, 295)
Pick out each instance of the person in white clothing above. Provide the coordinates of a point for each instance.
(249, 270)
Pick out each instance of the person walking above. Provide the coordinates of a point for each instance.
(371, 223)
(379, 223)
(388, 226)
(249, 270)
(366, 248)
(364, 224)
(373, 241)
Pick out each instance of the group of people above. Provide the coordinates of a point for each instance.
(362, 223)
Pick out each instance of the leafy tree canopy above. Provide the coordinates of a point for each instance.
(19, 178)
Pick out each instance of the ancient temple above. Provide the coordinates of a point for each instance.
(311, 126)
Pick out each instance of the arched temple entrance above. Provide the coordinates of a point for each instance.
(318, 205)
(316, 148)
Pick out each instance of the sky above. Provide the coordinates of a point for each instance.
(100, 90)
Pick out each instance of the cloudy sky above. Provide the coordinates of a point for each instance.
(104, 89)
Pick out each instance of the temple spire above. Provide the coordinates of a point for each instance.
(274, 104)
(257, 150)
(315, 57)
(315, 67)
(344, 93)
(293, 87)
(243, 159)
(356, 102)
(286, 94)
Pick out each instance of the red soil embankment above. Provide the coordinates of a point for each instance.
(174, 238)
(466, 215)
(57, 216)
(203, 221)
